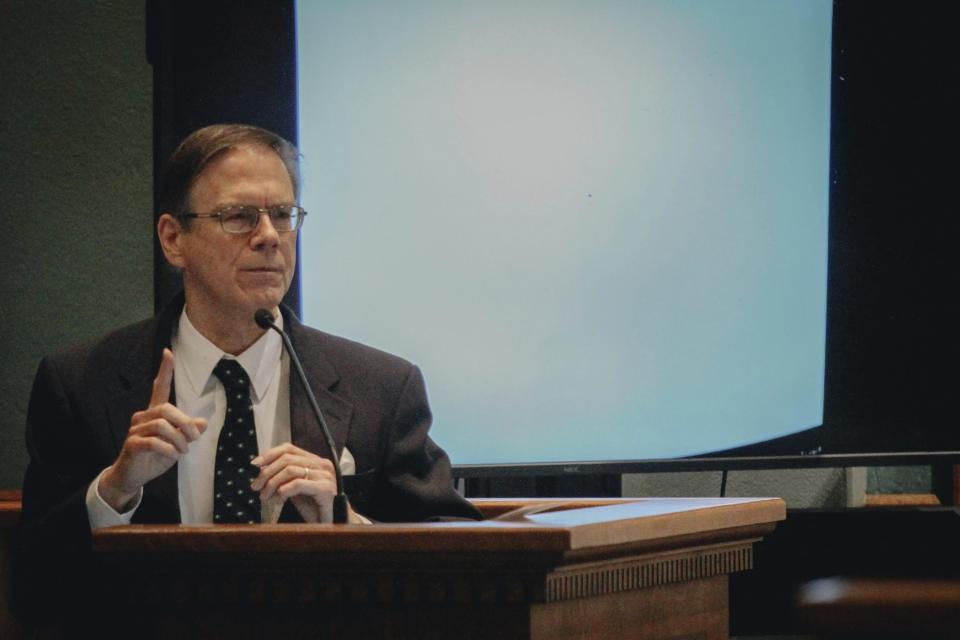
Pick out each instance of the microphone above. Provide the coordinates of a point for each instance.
(264, 320)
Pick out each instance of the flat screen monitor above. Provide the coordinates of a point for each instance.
(601, 229)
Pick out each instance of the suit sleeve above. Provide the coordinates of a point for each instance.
(417, 483)
(56, 561)
(60, 469)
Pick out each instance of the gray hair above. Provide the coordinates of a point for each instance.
(203, 145)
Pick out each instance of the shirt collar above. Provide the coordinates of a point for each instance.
(200, 356)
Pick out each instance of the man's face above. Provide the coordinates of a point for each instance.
(230, 274)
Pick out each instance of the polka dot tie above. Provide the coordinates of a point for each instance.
(233, 499)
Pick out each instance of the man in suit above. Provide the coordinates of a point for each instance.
(148, 423)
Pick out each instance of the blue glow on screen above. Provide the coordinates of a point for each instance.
(599, 228)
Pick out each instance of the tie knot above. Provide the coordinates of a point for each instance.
(231, 375)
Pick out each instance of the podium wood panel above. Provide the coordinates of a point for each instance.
(646, 568)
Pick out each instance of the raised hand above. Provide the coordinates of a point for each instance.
(157, 437)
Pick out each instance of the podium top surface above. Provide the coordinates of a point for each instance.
(556, 525)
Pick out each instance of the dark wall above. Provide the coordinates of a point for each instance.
(893, 281)
(75, 197)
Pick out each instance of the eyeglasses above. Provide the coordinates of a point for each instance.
(244, 218)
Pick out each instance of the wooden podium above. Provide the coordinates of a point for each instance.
(631, 568)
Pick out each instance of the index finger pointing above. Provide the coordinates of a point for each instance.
(163, 381)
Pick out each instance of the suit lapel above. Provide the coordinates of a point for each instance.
(323, 377)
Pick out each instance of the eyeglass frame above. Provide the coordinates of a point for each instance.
(301, 213)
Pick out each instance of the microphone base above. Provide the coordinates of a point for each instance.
(340, 509)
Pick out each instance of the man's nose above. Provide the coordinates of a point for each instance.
(264, 233)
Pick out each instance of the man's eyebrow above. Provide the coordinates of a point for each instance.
(224, 205)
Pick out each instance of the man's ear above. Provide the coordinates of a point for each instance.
(170, 231)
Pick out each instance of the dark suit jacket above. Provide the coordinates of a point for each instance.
(374, 403)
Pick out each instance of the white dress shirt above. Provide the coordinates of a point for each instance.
(200, 394)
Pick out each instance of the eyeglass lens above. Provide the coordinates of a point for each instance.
(246, 218)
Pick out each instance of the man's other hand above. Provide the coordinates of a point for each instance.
(288, 472)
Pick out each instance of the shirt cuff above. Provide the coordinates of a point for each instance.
(102, 514)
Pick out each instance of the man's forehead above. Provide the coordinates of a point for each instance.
(238, 158)
(242, 172)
